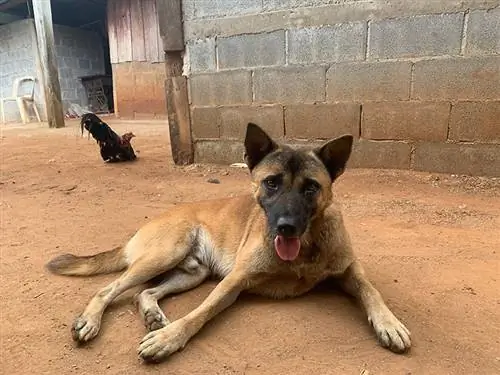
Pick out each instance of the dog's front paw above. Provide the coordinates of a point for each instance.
(158, 345)
(391, 333)
(85, 329)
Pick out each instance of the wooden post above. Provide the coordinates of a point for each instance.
(47, 56)
(176, 92)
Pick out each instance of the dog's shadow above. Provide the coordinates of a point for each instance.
(322, 300)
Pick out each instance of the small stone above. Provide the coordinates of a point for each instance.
(213, 181)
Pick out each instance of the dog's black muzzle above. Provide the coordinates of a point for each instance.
(288, 215)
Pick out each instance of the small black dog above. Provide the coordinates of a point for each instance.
(113, 147)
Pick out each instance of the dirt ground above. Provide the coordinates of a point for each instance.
(430, 243)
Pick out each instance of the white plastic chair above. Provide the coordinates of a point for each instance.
(22, 100)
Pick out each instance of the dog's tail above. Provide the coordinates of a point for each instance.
(101, 263)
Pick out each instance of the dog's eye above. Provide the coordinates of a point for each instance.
(272, 183)
(311, 188)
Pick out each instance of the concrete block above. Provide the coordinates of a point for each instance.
(221, 8)
(234, 120)
(289, 85)
(467, 159)
(230, 122)
(68, 42)
(218, 151)
(64, 51)
(457, 78)
(84, 64)
(78, 52)
(251, 50)
(475, 122)
(430, 35)
(205, 122)
(380, 154)
(483, 32)
(231, 87)
(65, 62)
(322, 121)
(188, 9)
(425, 121)
(292, 4)
(343, 42)
(68, 94)
(201, 55)
(98, 66)
(369, 81)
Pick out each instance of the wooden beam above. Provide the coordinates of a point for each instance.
(48, 64)
(170, 22)
(176, 91)
(112, 37)
(179, 121)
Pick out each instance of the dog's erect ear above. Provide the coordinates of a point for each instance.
(257, 145)
(335, 155)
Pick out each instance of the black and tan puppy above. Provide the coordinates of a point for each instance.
(279, 242)
(113, 148)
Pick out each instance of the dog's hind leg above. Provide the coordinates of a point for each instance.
(148, 264)
(187, 275)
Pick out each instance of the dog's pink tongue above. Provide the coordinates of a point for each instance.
(287, 248)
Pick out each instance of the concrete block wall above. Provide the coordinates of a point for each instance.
(17, 60)
(417, 83)
(78, 52)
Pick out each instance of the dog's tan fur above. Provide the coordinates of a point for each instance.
(227, 239)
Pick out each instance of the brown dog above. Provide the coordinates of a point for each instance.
(279, 242)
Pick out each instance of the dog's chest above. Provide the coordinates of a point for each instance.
(290, 280)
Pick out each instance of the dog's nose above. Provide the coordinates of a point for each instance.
(287, 227)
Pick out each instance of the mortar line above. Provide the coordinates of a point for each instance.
(412, 81)
(252, 85)
(360, 120)
(367, 42)
(465, 26)
(284, 124)
(216, 42)
(286, 46)
(413, 149)
(325, 84)
(449, 123)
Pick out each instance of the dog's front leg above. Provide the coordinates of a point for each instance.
(391, 333)
(158, 345)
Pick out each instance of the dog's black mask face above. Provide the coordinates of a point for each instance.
(292, 186)
(289, 197)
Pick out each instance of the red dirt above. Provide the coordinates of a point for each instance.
(430, 243)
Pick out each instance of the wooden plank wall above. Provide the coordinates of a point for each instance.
(133, 31)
